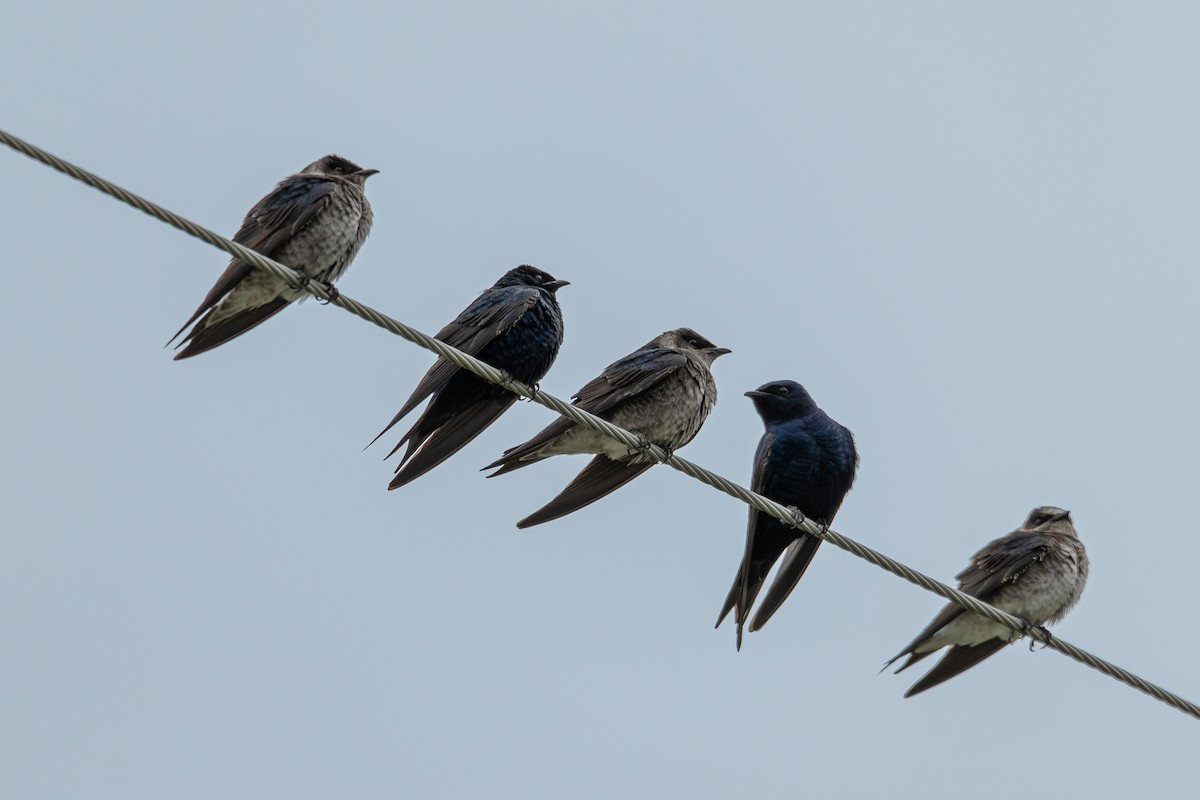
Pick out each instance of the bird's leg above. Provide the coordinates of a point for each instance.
(533, 392)
(302, 281)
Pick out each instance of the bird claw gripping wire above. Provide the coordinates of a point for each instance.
(506, 381)
(1045, 634)
(798, 516)
(1028, 629)
(334, 294)
(303, 282)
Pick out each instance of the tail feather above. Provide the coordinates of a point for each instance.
(958, 658)
(796, 560)
(447, 439)
(600, 477)
(206, 336)
(742, 601)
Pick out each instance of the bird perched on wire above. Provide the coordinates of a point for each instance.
(663, 391)
(805, 460)
(314, 222)
(516, 326)
(1037, 573)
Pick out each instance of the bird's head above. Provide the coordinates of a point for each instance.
(781, 400)
(338, 167)
(688, 339)
(1049, 519)
(526, 275)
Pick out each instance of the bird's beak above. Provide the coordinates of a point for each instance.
(720, 351)
(1063, 515)
(756, 393)
(554, 286)
(366, 173)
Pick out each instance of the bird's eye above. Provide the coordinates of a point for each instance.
(693, 342)
(782, 390)
(1040, 519)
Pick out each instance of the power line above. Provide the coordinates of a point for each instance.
(630, 440)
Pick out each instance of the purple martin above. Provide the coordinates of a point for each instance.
(662, 392)
(314, 222)
(1037, 573)
(515, 326)
(804, 460)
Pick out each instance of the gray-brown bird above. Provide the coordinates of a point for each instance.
(663, 391)
(314, 222)
(1037, 573)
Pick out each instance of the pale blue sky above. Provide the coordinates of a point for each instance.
(968, 229)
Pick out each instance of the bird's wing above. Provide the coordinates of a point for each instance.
(799, 555)
(199, 341)
(492, 314)
(958, 658)
(999, 562)
(621, 380)
(601, 476)
(273, 220)
(751, 572)
(447, 438)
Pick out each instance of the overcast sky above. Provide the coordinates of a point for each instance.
(968, 229)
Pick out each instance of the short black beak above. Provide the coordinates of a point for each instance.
(366, 173)
(554, 286)
(756, 393)
(720, 351)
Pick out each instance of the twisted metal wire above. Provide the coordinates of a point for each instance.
(632, 441)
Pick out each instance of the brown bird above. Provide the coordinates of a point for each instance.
(314, 222)
(1037, 573)
(662, 391)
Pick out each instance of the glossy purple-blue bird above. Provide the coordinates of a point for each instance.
(314, 222)
(663, 391)
(516, 326)
(1037, 573)
(805, 460)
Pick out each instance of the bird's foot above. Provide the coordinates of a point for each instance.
(647, 448)
(334, 294)
(534, 389)
(1045, 634)
(1028, 629)
(302, 282)
(797, 515)
(506, 380)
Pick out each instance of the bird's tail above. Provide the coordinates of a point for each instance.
(206, 336)
(430, 447)
(795, 561)
(600, 477)
(959, 658)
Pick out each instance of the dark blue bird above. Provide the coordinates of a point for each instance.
(662, 391)
(804, 460)
(314, 222)
(515, 326)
